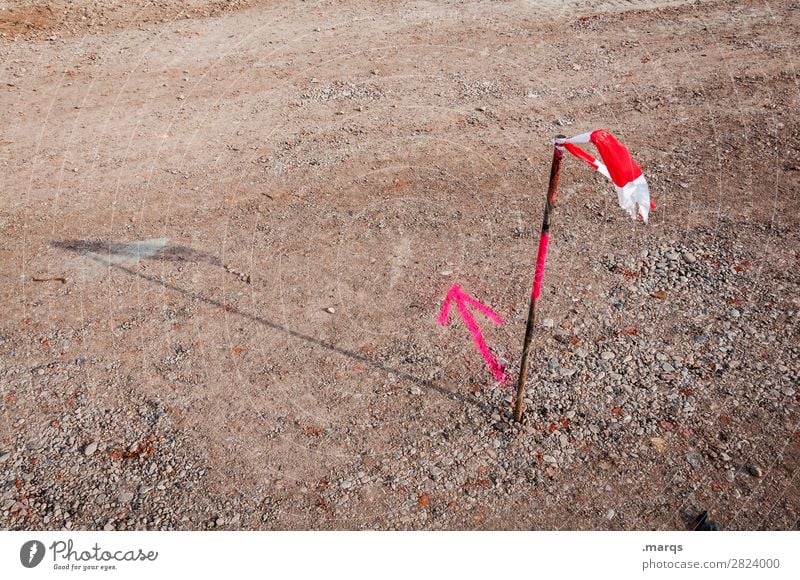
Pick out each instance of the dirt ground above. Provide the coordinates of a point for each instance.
(227, 228)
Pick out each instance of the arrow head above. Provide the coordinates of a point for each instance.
(463, 299)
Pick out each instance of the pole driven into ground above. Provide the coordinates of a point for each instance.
(541, 257)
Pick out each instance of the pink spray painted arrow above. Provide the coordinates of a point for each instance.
(462, 300)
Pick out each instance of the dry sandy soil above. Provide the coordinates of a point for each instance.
(226, 230)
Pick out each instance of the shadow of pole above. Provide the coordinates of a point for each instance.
(80, 249)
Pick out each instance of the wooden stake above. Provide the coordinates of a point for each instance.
(533, 309)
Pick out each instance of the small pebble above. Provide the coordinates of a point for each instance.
(695, 460)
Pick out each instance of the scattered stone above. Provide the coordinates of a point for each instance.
(695, 460)
(659, 444)
(704, 523)
(659, 294)
(330, 310)
(90, 449)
